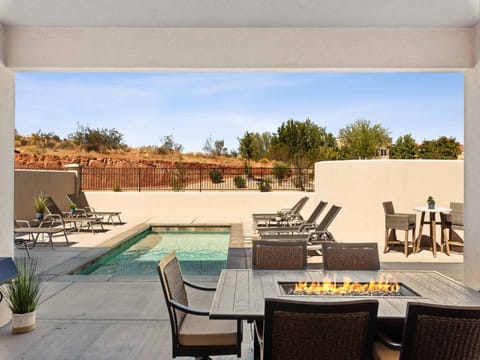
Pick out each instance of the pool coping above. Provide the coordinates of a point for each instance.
(73, 265)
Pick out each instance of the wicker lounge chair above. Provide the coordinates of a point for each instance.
(435, 332)
(278, 254)
(398, 221)
(314, 330)
(193, 333)
(82, 203)
(350, 256)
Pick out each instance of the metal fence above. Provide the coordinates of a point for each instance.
(196, 179)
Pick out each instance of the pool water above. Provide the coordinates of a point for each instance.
(201, 251)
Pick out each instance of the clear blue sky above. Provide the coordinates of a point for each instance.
(193, 106)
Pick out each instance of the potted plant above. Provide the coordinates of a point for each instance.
(279, 215)
(23, 295)
(431, 202)
(40, 204)
(73, 207)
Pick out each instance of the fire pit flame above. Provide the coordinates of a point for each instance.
(348, 288)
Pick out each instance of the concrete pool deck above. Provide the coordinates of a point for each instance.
(124, 317)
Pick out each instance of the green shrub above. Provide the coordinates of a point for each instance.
(23, 294)
(179, 179)
(247, 169)
(280, 171)
(239, 182)
(264, 185)
(216, 176)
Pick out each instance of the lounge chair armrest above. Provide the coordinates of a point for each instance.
(389, 342)
(188, 310)
(199, 287)
(89, 209)
(24, 223)
(49, 218)
(319, 236)
(66, 214)
(307, 226)
(81, 212)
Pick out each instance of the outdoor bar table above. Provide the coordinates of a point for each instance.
(432, 222)
(241, 293)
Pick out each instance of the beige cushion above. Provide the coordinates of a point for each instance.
(381, 352)
(201, 331)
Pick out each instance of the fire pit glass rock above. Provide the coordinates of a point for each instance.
(346, 288)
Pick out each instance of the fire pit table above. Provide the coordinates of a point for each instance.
(241, 293)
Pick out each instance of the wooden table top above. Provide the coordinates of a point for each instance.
(435, 209)
(241, 293)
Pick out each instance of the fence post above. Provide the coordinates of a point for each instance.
(138, 179)
(77, 170)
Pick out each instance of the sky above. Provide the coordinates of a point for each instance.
(192, 107)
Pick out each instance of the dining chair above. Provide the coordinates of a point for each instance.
(193, 333)
(453, 222)
(319, 330)
(398, 221)
(279, 254)
(435, 332)
(350, 256)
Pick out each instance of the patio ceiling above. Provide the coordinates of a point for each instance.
(246, 13)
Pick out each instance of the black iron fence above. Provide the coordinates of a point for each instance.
(197, 179)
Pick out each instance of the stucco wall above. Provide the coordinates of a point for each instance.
(360, 187)
(29, 183)
(207, 206)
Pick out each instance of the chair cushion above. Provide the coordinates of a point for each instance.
(382, 352)
(201, 331)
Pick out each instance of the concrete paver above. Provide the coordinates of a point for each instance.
(125, 317)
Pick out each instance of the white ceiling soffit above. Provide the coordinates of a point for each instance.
(241, 13)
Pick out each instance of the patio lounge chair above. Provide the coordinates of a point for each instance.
(279, 255)
(313, 233)
(261, 219)
(64, 218)
(82, 203)
(435, 332)
(350, 256)
(319, 330)
(296, 223)
(398, 221)
(193, 333)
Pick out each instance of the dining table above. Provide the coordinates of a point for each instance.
(432, 212)
(241, 293)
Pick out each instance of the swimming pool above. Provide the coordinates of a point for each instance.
(200, 250)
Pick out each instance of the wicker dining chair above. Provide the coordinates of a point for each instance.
(453, 222)
(435, 332)
(398, 221)
(350, 256)
(279, 254)
(319, 330)
(193, 333)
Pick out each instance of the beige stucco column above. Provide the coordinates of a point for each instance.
(7, 129)
(472, 169)
(7, 120)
